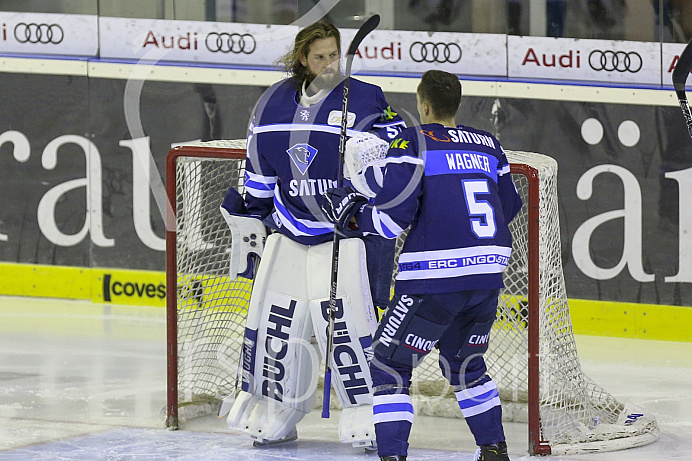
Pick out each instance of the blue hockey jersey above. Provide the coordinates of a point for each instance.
(454, 188)
(293, 152)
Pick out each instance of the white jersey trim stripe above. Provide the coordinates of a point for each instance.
(474, 392)
(259, 193)
(268, 180)
(384, 125)
(404, 159)
(382, 404)
(455, 253)
(384, 225)
(303, 127)
(455, 262)
(293, 224)
(454, 272)
(391, 398)
(260, 186)
(481, 408)
(393, 416)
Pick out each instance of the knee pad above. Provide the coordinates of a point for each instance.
(279, 365)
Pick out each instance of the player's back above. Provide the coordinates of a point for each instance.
(460, 238)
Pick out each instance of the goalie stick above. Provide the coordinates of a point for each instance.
(682, 70)
(364, 30)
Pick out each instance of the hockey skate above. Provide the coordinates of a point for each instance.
(393, 458)
(494, 452)
(293, 435)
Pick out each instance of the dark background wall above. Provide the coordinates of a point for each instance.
(75, 112)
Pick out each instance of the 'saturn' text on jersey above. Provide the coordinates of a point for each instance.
(293, 152)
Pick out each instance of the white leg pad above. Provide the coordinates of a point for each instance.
(261, 418)
(354, 325)
(356, 426)
(272, 420)
(240, 411)
(279, 369)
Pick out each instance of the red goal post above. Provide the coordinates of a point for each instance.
(532, 356)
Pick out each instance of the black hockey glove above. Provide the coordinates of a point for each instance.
(340, 205)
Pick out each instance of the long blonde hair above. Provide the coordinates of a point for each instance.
(304, 39)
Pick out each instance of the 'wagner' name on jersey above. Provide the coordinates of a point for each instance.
(457, 184)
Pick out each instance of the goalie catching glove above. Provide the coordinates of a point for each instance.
(248, 236)
(340, 205)
(363, 159)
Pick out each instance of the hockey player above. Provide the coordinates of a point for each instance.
(292, 159)
(453, 186)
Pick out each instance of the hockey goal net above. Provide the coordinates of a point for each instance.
(532, 356)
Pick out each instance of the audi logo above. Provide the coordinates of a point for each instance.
(230, 43)
(38, 33)
(620, 61)
(435, 52)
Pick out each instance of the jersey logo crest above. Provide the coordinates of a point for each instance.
(335, 118)
(302, 156)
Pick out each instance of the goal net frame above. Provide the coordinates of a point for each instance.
(545, 407)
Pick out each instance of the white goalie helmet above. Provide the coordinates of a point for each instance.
(363, 161)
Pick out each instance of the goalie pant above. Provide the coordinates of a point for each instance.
(288, 305)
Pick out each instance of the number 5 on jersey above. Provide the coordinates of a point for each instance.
(481, 212)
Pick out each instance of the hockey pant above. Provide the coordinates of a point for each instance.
(280, 367)
(459, 324)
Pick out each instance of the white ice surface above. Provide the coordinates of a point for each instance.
(80, 381)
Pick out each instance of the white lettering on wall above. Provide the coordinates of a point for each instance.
(684, 179)
(93, 222)
(21, 153)
(141, 180)
(632, 215)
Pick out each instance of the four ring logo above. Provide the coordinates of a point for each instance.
(38, 33)
(620, 61)
(230, 43)
(435, 52)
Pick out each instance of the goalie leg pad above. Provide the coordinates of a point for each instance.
(239, 413)
(271, 420)
(279, 363)
(353, 328)
(356, 426)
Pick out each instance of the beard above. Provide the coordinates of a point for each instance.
(328, 79)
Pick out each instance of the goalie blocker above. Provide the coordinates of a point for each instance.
(248, 236)
(288, 306)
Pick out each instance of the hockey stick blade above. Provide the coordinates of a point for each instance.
(680, 73)
(367, 27)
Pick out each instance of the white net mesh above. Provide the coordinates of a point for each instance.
(576, 415)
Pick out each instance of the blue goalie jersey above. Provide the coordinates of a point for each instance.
(454, 187)
(293, 153)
